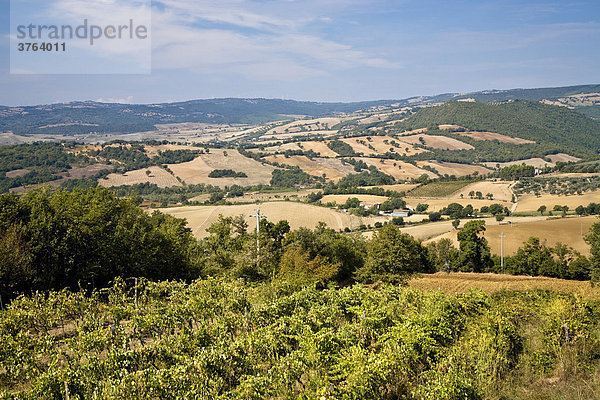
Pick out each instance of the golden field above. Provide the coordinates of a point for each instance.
(459, 282)
(297, 214)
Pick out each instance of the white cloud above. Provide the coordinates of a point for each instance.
(226, 36)
(126, 100)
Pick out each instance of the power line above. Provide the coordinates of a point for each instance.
(502, 236)
(258, 217)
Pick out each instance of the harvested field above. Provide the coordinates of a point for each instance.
(448, 168)
(562, 157)
(319, 147)
(157, 175)
(494, 136)
(449, 127)
(500, 190)
(336, 164)
(535, 162)
(399, 187)
(364, 198)
(406, 133)
(154, 150)
(309, 166)
(528, 203)
(197, 170)
(297, 214)
(15, 173)
(460, 282)
(398, 169)
(436, 204)
(569, 231)
(381, 145)
(84, 172)
(304, 125)
(295, 195)
(439, 189)
(290, 135)
(437, 142)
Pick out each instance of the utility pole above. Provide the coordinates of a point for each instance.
(502, 236)
(258, 217)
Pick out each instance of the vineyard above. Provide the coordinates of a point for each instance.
(221, 339)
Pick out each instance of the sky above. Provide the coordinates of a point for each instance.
(329, 50)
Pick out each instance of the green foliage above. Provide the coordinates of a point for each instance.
(523, 119)
(291, 177)
(392, 256)
(342, 148)
(87, 237)
(226, 173)
(218, 339)
(371, 177)
(474, 249)
(514, 172)
(439, 189)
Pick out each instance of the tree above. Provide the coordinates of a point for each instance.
(593, 239)
(392, 256)
(542, 210)
(435, 216)
(443, 254)
(421, 207)
(456, 223)
(496, 209)
(533, 258)
(474, 249)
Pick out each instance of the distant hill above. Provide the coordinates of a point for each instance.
(101, 118)
(523, 119)
(91, 117)
(538, 94)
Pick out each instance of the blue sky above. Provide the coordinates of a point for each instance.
(334, 50)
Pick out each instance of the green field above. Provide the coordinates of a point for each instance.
(438, 189)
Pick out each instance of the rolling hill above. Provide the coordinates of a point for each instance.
(529, 120)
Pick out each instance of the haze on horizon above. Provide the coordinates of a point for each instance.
(335, 50)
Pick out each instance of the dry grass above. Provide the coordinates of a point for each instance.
(529, 203)
(318, 147)
(562, 157)
(494, 136)
(398, 169)
(437, 142)
(448, 168)
(197, 170)
(535, 162)
(309, 166)
(436, 204)
(297, 214)
(381, 145)
(304, 125)
(364, 198)
(15, 173)
(500, 190)
(157, 175)
(459, 282)
(570, 231)
(399, 187)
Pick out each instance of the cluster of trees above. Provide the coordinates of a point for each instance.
(226, 173)
(515, 172)
(290, 177)
(342, 148)
(524, 119)
(134, 156)
(370, 177)
(86, 238)
(557, 185)
(39, 162)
